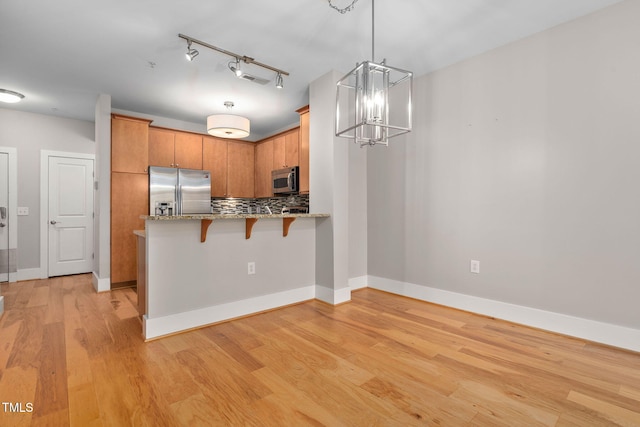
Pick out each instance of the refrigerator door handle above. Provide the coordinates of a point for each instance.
(178, 198)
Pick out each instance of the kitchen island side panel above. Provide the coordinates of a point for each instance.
(185, 275)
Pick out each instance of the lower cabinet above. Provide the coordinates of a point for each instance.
(129, 200)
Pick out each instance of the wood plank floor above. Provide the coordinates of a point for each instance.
(78, 357)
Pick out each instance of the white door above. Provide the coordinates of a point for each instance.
(70, 219)
(4, 217)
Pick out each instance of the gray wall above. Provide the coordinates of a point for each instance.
(30, 133)
(526, 159)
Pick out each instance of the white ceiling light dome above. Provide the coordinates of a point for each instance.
(228, 125)
(10, 96)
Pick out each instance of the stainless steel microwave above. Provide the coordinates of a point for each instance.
(285, 181)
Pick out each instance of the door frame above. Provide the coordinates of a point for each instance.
(44, 203)
(13, 205)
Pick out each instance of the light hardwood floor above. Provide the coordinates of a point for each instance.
(78, 357)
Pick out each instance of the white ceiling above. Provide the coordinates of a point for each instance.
(61, 54)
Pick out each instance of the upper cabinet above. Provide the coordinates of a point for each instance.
(188, 150)
(240, 172)
(175, 149)
(303, 151)
(161, 147)
(231, 164)
(129, 144)
(264, 166)
(285, 149)
(214, 159)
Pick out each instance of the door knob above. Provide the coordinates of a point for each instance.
(53, 222)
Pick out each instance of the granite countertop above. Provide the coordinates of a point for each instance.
(229, 216)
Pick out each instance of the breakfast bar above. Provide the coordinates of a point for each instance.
(196, 270)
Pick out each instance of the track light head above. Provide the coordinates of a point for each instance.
(191, 53)
(279, 84)
(235, 67)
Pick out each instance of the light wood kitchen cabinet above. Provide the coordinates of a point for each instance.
(175, 149)
(277, 152)
(214, 159)
(240, 172)
(285, 150)
(129, 200)
(264, 166)
(303, 152)
(129, 144)
(188, 150)
(161, 147)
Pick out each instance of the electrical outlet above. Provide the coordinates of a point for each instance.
(474, 266)
(23, 211)
(251, 268)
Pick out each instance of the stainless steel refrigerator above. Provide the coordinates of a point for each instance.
(175, 191)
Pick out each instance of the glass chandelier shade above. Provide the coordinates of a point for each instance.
(373, 103)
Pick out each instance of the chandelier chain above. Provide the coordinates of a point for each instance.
(344, 9)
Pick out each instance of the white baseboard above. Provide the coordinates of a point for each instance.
(605, 333)
(100, 285)
(28, 274)
(165, 325)
(358, 282)
(333, 296)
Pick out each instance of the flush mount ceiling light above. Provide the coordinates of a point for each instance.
(373, 101)
(191, 53)
(10, 96)
(228, 125)
(235, 65)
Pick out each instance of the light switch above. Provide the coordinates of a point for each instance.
(22, 211)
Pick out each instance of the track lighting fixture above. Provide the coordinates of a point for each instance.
(235, 64)
(10, 96)
(191, 53)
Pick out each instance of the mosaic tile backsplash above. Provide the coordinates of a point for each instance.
(244, 206)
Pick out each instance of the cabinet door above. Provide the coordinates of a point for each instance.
(161, 147)
(304, 150)
(188, 150)
(241, 164)
(214, 159)
(291, 148)
(279, 152)
(129, 144)
(129, 200)
(264, 166)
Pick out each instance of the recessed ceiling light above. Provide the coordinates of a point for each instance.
(10, 96)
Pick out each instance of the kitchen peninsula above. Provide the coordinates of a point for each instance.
(197, 270)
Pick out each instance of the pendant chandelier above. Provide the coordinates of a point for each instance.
(373, 101)
(228, 125)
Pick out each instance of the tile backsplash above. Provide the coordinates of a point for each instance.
(242, 206)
